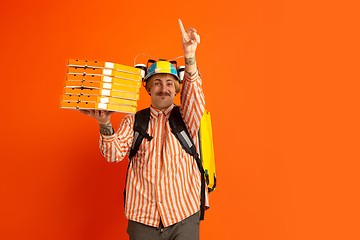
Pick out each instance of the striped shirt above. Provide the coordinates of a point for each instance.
(163, 180)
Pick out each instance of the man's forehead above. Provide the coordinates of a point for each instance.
(163, 76)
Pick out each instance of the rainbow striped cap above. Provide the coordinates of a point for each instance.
(161, 67)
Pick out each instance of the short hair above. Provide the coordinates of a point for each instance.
(150, 81)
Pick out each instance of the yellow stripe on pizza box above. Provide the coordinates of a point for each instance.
(97, 78)
(97, 106)
(101, 85)
(97, 99)
(108, 65)
(105, 72)
(101, 92)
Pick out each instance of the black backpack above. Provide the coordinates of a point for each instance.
(178, 128)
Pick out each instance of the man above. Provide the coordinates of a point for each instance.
(163, 183)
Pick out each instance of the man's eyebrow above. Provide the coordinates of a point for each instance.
(158, 79)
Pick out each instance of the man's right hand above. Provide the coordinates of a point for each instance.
(103, 117)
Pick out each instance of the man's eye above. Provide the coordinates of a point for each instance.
(157, 83)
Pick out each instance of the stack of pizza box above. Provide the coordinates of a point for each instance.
(101, 86)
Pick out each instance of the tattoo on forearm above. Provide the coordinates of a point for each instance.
(106, 129)
(190, 61)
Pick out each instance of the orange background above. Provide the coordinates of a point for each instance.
(281, 80)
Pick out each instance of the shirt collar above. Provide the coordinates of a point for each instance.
(155, 112)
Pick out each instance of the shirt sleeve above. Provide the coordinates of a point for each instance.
(192, 103)
(115, 147)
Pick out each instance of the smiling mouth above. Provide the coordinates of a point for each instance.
(162, 94)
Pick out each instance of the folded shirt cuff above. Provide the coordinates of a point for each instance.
(107, 138)
(192, 78)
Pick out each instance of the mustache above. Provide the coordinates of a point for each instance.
(162, 93)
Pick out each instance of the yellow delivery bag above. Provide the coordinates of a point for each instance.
(207, 151)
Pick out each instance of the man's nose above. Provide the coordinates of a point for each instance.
(163, 87)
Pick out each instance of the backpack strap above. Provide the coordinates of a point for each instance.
(178, 128)
(140, 126)
(141, 123)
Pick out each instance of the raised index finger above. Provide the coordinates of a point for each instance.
(181, 27)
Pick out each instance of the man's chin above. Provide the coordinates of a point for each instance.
(161, 105)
